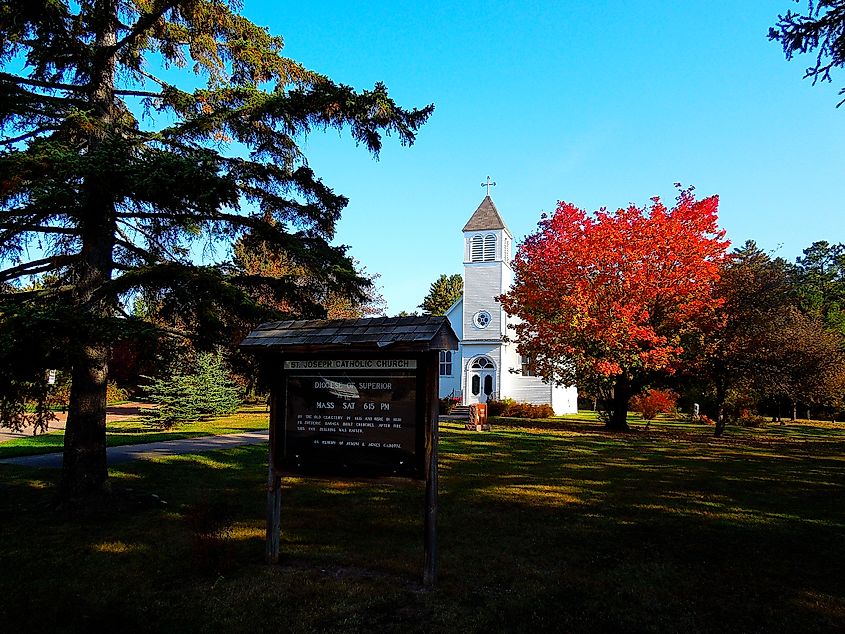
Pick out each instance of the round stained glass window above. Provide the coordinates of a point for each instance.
(482, 319)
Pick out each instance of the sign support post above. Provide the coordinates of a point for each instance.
(431, 442)
(274, 496)
(274, 515)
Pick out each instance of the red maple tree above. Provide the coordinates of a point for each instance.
(607, 299)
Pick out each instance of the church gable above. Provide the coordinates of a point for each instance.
(455, 315)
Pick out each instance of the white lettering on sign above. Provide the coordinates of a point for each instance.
(352, 364)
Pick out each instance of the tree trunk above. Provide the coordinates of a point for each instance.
(84, 469)
(618, 420)
(794, 411)
(721, 395)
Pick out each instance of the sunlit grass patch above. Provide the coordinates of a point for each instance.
(197, 459)
(531, 494)
(118, 548)
(243, 531)
(117, 474)
(832, 607)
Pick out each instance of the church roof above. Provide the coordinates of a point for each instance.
(486, 217)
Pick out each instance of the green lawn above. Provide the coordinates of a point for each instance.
(134, 432)
(567, 529)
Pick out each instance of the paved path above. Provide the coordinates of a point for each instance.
(145, 451)
(125, 411)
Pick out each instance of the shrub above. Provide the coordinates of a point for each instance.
(204, 392)
(653, 402)
(512, 409)
(499, 407)
(747, 419)
(705, 420)
(58, 396)
(115, 394)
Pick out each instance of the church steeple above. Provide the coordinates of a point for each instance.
(486, 236)
(486, 217)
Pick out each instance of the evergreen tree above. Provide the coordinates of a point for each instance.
(820, 283)
(109, 175)
(819, 31)
(205, 391)
(443, 292)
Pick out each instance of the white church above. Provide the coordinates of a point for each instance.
(484, 366)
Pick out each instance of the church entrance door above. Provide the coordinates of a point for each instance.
(481, 380)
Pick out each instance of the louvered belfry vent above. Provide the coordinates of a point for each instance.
(489, 247)
(476, 249)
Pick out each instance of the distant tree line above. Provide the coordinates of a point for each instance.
(778, 345)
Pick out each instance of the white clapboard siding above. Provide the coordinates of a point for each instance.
(482, 283)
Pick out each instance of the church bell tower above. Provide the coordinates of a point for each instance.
(487, 273)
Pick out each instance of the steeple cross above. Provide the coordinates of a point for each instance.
(488, 185)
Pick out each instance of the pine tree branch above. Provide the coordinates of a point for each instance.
(242, 221)
(42, 84)
(139, 93)
(20, 297)
(152, 78)
(14, 229)
(24, 137)
(37, 266)
(152, 239)
(29, 223)
(132, 248)
(39, 98)
(173, 332)
(146, 21)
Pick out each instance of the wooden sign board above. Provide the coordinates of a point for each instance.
(353, 397)
(355, 416)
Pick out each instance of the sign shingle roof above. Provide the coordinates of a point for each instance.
(400, 333)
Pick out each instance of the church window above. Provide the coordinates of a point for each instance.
(445, 363)
(482, 319)
(489, 247)
(482, 363)
(488, 385)
(528, 367)
(476, 249)
(476, 385)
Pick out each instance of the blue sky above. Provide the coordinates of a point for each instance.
(597, 103)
